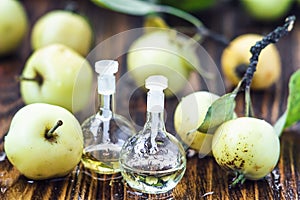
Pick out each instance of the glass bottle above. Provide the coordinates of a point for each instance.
(153, 161)
(105, 132)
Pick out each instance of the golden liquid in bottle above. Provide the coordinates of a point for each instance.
(106, 167)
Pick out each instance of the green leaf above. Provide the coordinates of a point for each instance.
(220, 111)
(279, 125)
(292, 113)
(293, 105)
(133, 7)
(142, 8)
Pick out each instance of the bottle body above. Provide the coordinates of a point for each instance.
(153, 161)
(101, 152)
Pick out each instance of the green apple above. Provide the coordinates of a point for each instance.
(58, 75)
(65, 27)
(13, 25)
(267, 10)
(44, 141)
(161, 52)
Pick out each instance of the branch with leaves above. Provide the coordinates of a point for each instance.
(144, 8)
(223, 108)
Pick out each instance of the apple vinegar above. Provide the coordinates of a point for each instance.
(105, 132)
(153, 161)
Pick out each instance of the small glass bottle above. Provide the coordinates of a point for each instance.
(153, 161)
(105, 132)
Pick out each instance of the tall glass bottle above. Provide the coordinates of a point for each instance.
(153, 161)
(105, 132)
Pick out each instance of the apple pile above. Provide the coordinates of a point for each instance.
(247, 146)
(45, 139)
(160, 51)
(50, 129)
(56, 72)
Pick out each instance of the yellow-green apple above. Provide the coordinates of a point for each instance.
(13, 25)
(189, 115)
(44, 141)
(235, 60)
(247, 146)
(162, 52)
(58, 75)
(267, 10)
(65, 27)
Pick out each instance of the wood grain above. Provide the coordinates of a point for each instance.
(203, 179)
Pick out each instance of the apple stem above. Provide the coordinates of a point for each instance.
(72, 6)
(213, 35)
(38, 78)
(21, 78)
(272, 37)
(49, 134)
(240, 70)
(201, 29)
(255, 50)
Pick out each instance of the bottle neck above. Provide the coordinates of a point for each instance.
(106, 91)
(155, 121)
(155, 110)
(154, 125)
(155, 101)
(106, 105)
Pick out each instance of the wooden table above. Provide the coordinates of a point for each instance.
(204, 179)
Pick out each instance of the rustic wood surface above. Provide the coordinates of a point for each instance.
(204, 179)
